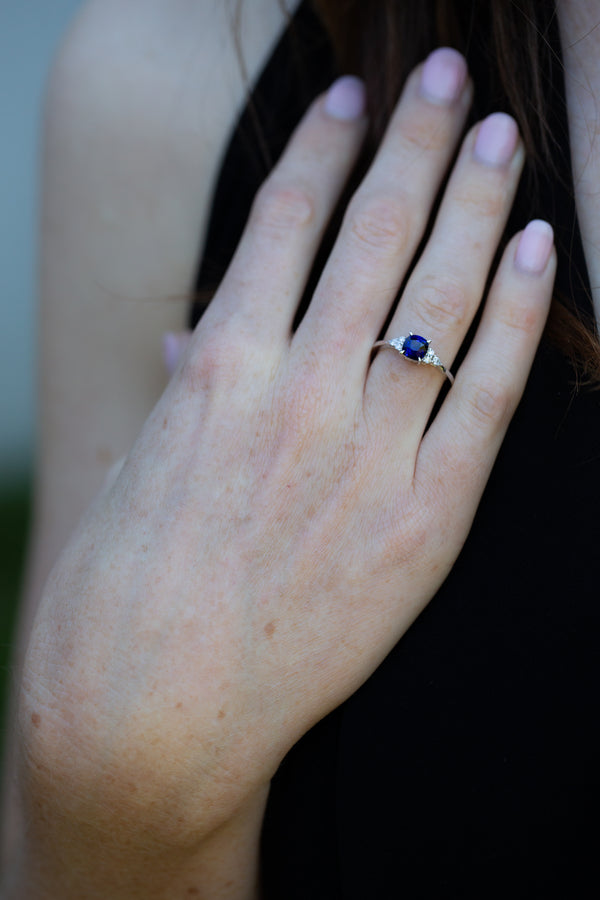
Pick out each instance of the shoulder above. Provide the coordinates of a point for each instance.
(151, 57)
(160, 82)
(140, 101)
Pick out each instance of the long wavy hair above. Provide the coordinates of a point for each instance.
(513, 50)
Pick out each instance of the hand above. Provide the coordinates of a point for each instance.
(284, 516)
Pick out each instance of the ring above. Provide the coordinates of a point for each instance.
(418, 349)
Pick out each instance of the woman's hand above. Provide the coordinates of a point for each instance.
(284, 516)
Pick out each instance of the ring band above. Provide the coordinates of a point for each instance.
(418, 349)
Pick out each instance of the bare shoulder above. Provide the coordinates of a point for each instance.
(140, 102)
(195, 55)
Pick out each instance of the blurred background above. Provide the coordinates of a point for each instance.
(30, 31)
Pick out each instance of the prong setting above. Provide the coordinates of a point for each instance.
(417, 349)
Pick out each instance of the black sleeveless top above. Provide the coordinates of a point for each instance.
(468, 765)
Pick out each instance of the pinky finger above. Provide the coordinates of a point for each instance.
(460, 447)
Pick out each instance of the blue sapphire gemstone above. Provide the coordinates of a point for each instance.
(415, 347)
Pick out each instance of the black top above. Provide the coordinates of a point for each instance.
(468, 765)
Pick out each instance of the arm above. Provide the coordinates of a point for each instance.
(139, 106)
(138, 109)
(285, 513)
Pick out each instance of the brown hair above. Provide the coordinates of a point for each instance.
(513, 52)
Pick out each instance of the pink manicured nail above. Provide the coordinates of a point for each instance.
(534, 247)
(345, 99)
(443, 76)
(496, 139)
(173, 346)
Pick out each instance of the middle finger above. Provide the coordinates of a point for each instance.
(445, 289)
(386, 218)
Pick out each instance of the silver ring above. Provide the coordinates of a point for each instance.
(418, 349)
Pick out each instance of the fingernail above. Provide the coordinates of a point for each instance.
(444, 75)
(346, 99)
(496, 139)
(173, 346)
(534, 247)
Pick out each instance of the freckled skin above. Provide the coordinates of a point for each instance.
(333, 522)
(36, 719)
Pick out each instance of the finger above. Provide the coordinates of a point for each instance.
(265, 280)
(174, 345)
(459, 449)
(446, 287)
(387, 216)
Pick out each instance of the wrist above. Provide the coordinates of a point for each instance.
(62, 860)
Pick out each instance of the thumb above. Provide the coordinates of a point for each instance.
(173, 348)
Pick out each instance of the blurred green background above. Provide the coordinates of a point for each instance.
(15, 505)
(29, 35)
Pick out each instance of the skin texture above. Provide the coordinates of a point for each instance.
(130, 152)
(282, 517)
(275, 529)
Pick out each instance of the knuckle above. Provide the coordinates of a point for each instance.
(379, 223)
(279, 206)
(215, 362)
(519, 320)
(198, 374)
(442, 303)
(484, 204)
(421, 135)
(488, 403)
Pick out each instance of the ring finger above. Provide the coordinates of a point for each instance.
(386, 218)
(447, 284)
